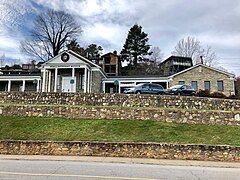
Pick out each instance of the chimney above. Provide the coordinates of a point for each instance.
(201, 57)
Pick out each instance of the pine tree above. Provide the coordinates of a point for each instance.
(136, 46)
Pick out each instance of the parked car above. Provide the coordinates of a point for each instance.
(184, 90)
(146, 88)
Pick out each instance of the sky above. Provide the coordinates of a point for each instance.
(215, 23)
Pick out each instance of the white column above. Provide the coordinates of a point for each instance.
(89, 81)
(103, 87)
(85, 79)
(38, 85)
(9, 85)
(24, 85)
(49, 80)
(44, 80)
(55, 80)
(73, 85)
(119, 88)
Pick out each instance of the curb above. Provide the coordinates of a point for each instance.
(122, 160)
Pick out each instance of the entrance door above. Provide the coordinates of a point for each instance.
(68, 85)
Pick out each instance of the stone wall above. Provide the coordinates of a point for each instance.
(131, 150)
(121, 100)
(130, 113)
(179, 109)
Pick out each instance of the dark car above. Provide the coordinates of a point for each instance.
(184, 90)
(146, 88)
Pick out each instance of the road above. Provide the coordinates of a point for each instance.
(44, 169)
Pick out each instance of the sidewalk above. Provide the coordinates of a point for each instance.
(122, 160)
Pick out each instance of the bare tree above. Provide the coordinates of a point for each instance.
(12, 13)
(187, 47)
(2, 60)
(191, 47)
(156, 55)
(52, 30)
(209, 57)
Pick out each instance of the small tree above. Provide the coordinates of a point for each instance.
(136, 46)
(50, 34)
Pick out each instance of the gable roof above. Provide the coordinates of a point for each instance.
(203, 65)
(74, 54)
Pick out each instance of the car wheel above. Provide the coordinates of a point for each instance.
(138, 92)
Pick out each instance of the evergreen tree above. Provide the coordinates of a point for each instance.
(136, 46)
(93, 50)
(74, 46)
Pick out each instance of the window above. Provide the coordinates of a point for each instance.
(207, 85)
(194, 85)
(220, 85)
(181, 82)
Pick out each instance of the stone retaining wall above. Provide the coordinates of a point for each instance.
(121, 100)
(131, 150)
(130, 113)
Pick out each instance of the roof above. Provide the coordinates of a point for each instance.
(110, 53)
(122, 78)
(203, 65)
(74, 54)
(171, 57)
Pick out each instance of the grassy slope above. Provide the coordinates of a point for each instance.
(60, 129)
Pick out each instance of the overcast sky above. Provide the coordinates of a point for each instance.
(106, 22)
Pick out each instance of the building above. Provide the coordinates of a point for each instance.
(203, 77)
(18, 78)
(123, 82)
(175, 64)
(110, 63)
(71, 72)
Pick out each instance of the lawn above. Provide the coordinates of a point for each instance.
(61, 129)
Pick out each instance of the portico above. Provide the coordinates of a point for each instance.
(70, 72)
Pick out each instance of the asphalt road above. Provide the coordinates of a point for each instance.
(41, 169)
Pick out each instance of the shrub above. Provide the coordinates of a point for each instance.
(206, 93)
(217, 95)
(203, 93)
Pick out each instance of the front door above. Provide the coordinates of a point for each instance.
(68, 85)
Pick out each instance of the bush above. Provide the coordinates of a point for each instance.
(203, 93)
(217, 95)
(206, 93)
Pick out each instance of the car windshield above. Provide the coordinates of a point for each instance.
(176, 87)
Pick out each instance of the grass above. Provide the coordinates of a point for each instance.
(61, 129)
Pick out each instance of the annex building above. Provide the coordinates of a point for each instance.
(70, 72)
